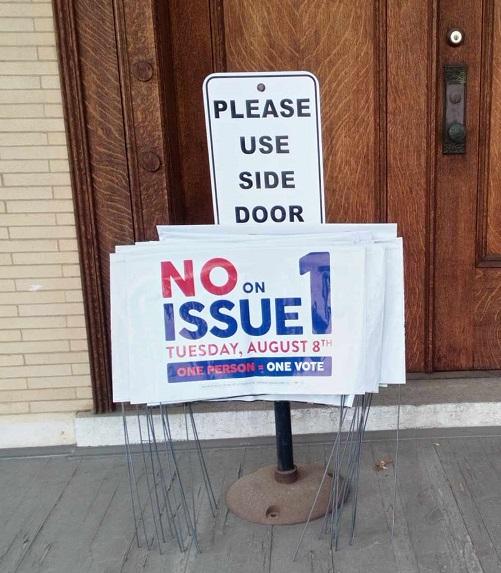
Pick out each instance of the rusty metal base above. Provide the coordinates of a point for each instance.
(260, 498)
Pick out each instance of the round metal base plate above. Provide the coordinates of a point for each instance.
(259, 498)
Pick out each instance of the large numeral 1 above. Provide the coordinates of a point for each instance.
(318, 265)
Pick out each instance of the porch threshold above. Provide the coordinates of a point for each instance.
(451, 400)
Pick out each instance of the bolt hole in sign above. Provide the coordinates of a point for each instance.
(265, 148)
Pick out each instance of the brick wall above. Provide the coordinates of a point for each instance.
(43, 351)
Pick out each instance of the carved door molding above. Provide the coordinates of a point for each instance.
(122, 173)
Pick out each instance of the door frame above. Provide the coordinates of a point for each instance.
(118, 125)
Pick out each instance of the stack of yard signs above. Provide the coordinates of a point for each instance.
(309, 313)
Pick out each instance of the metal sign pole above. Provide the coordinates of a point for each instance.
(286, 471)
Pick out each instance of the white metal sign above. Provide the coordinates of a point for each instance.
(265, 148)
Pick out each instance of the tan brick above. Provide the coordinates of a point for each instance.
(27, 219)
(11, 10)
(26, 38)
(23, 138)
(39, 370)
(50, 309)
(57, 138)
(62, 193)
(75, 321)
(4, 233)
(10, 359)
(7, 285)
(30, 96)
(53, 110)
(57, 358)
(78, 345)
(33, 347)
(73, 296)
(59, 166)
(65, 218)
(20, 83)
(44, 258)
(54, 334)
(71, 271)
(84, 393)
(31, 124)
(10, 335)
(5, 259)
(21, 110)
(13, 384)
(36, 179)
(8, 311)
(40, 271)
(42, 206)
(23, 193)
(2, 206)
(37, 394)
(39, 322)
(14, 408)
(61, 406)
(47, 284)
(25, 246)
(16, 25)
(47, 53)
(24, 166)
(15, 53)
(34, 152)
(59, 382)
(44, 24)
(80, 368)
(34, 297)
(43, 232)
(50, 82)
(68, 245)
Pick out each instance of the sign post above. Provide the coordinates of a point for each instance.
(265, 155)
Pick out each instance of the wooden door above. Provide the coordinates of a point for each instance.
(467, 332)
(132, 80)
(371, 61)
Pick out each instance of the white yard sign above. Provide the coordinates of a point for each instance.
(265, 147)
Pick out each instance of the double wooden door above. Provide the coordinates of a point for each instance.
(380, 64)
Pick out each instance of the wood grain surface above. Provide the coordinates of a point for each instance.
(456, 194)
(411, 92)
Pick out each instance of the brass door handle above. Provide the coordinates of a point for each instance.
(454, 129)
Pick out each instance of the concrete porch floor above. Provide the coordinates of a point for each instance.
(67, 511)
